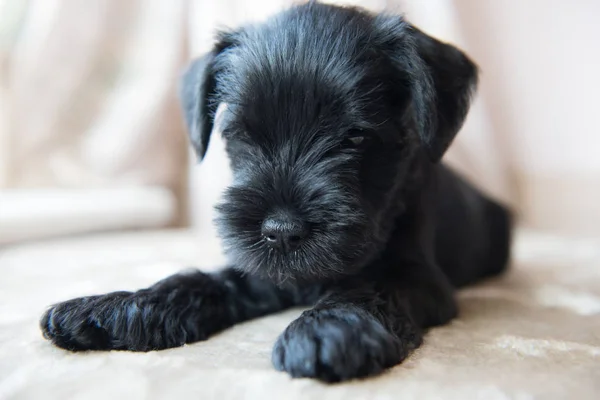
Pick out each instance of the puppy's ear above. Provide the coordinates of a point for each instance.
(440, 78)
(454, 78)
(197, 94)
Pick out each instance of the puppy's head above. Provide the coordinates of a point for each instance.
(327, 110)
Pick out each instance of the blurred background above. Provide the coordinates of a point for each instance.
(92, 139)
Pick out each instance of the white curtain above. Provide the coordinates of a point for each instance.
(91, 136)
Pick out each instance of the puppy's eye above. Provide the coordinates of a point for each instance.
(357, 140)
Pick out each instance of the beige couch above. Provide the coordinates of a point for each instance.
(534, 333)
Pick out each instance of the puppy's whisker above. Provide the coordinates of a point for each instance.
(255, 245)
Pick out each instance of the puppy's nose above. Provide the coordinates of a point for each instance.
(284, 233)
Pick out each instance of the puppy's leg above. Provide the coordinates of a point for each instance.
(181, 309)
(372, 321)
(361, 328)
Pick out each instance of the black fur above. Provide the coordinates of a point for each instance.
(335, 118)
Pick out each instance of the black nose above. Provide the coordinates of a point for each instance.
(283, 232)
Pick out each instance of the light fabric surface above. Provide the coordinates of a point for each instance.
(38, 213)
(534, 333)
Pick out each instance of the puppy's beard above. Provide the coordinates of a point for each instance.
(338, 240)
(306, 264)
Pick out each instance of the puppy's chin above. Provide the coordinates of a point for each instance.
(314, 261)
(294, 268)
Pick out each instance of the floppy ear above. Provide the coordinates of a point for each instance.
(196, 87)
(440, 79)
(197, 94)
(454, 79)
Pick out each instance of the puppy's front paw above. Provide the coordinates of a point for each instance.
(337, 345)
(75, 325)
(181, 309)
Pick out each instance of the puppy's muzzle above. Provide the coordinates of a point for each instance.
(284, 232)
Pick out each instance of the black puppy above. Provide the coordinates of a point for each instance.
(335, 124)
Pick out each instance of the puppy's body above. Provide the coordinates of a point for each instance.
(335, 125)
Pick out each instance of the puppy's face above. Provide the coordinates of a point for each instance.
(326, 110)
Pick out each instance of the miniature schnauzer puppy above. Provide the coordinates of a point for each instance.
(335, 124)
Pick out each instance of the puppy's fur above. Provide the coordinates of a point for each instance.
(335, 124)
